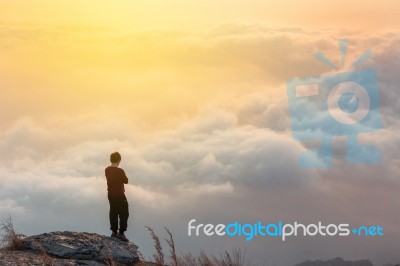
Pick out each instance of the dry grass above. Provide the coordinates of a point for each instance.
(141, 257)
(159, 255)
(235, 258)
(171, 243)
(9, 239)
(203, 259)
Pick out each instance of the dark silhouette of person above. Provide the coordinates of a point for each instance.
(119, 207)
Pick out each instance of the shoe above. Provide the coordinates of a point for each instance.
(114, 234)
(122, 237)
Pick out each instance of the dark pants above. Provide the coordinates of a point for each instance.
(118, 208)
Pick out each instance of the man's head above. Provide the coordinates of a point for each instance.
(115, 158)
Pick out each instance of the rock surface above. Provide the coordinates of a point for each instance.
(71, 248)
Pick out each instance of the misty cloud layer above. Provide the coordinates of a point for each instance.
(235, 159)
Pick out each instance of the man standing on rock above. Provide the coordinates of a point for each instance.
(116, 178)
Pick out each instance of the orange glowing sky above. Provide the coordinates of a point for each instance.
(174, 13)
(145, 59)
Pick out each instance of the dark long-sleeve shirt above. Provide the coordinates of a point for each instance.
(116, 178)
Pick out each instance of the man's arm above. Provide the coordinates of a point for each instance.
(124, 178)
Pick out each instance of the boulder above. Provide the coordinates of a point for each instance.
(88, 248)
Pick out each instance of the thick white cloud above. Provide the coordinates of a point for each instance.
(236, 160)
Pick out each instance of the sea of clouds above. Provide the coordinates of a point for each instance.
(227, 162)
